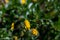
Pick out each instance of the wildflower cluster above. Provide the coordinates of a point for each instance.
(29, 19)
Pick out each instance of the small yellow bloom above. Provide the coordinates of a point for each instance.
(15, 37)
(27, 24)
(12, 26)
(34, 32)
(23, 1)
(6, 1)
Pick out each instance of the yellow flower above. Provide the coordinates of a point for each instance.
(34, 32)
(15, 37)
(12, 26)
(27, 24)
(6, 1)
(23, 1)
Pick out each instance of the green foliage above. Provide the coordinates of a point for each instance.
(44, 15)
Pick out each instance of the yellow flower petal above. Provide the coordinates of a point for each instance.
(34, 32)
(27, 24)
(23, 1)
(12, 26)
